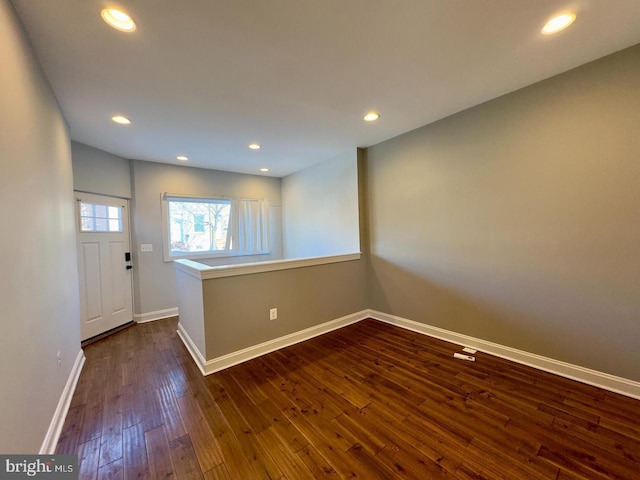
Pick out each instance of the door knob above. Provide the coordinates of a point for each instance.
(129, 267)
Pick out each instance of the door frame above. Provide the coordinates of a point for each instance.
(126, 217)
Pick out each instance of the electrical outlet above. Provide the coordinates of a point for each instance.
(59, 358)
(273, 314)
(146, 247)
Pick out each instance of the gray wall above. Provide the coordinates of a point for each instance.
(96, 171)
(320, 207)
(236, 309)
(518, 221)
(39, 301)
(154, 279)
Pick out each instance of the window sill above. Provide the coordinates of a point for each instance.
(209, 255)
(206, 272)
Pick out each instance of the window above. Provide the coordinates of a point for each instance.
(100, 218)
(207, 227)
(198, 226)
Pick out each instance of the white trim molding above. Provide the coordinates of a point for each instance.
(55, 428)
(225, 361)
(623, 386)
(157, 315)
(206, 272)
(191, 347)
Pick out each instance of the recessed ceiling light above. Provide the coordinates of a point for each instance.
(558, 23)
(371, 117)
(121, 120)
(264, 169)
(254, 146)
(118, 19)
(182, 158)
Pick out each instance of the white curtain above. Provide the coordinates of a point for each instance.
(248, 226)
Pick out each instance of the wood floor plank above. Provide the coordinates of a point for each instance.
(567, 463)
(629, 428)
(112, 471)
(111, 439)
(409, 363)
(344, 383)
(395, 432)
(282, 427)
(356, 433)
(613, 442)
(586, 458)
(171, 418)
(89, 459)
(249, 380)
(513, 456)
(374, 465)
(258, 456)
(131, 411)
(218, 473)
(243, 403)
(403, 461)
(436, 444)
(502, 401)
(136, 463)
(316, 463)
(567, 475)
(369, 401)
(92, 422)
(573, 415)
(607, 410)
(184, 459)
(288, 463)
(300, 393)
(159, 454)
(307, 392)
(68, 441)
(238, 462)
(322, 443)
(149, 402)
(622, 403)
(204, 443)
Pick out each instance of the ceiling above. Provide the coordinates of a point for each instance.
(204, 78)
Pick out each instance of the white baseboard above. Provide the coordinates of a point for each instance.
(196, 354)
(623, 386)
(606, 381)
(157, 315)
(220, 363)
(55, 428)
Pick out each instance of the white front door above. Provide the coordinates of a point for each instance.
(104, 263)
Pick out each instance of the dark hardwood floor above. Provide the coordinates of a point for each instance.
(368, 401)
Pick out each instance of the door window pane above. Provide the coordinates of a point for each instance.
(87, 224)
(101, 210)
(114, 225)
(101, 225)
(100, 218)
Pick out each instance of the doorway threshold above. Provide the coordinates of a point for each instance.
(108, 333)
